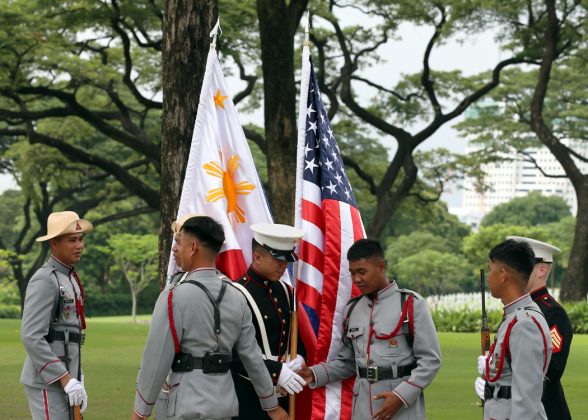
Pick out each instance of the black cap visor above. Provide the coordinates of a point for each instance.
(279, 254)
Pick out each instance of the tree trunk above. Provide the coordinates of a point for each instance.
(134, 306)
(574, 285)
(278, 23)
(186, 27)
(575, 282)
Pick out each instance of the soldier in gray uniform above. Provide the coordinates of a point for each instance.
(514, 370)
(195, 325)
(389, 342)
(53, 323)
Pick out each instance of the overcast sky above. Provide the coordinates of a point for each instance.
(403, 56)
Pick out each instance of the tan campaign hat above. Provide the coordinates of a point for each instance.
(544, 252)
(64, 222)
(176, 225)
(278, 239)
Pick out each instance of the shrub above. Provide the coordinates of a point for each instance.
(9, 311)
(578, 313)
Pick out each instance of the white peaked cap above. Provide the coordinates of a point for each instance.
(544, 252)
(276, 236)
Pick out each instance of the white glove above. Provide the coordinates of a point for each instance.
(75, 392)
(296, 364)
(85, 402)
(290, 381)
(479, 387)
(481, 364)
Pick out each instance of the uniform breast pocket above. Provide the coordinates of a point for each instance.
(355, 334)
(393, 347)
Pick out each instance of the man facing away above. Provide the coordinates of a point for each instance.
(195, 325)
(271, 301)
(389, 342)
(53, 323)
(515, 367)
(560, 327)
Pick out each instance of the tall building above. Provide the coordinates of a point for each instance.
(517, 177)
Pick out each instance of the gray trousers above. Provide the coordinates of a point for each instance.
(47, 405)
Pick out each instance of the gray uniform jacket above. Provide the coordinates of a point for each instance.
(382, 315)
(529, 351)
(193, 394)
(49, 303)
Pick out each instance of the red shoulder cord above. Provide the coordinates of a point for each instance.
(170, 316)
(503, 349)
(544, 343)
(80, 301)
(408, 307)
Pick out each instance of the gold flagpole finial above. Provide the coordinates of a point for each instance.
(307, 28)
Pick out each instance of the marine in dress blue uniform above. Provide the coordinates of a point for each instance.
(560, 327)
(270, 300)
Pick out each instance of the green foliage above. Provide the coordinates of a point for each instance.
(431, 272)
(464, 320)
(477, 246)
(578, 314)
(98, 305)
(9, 311)
(135, 257)
(532, 210)
(433, 217)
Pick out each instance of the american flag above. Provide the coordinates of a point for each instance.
(326, 210)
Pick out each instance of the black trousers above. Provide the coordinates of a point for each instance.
(249, 406)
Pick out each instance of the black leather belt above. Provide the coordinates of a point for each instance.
(60, 336)
(184, 362)
(375, 373)
(503, 392)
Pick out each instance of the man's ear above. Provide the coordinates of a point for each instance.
(544, 269)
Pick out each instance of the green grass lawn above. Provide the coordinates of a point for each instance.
(114, 346)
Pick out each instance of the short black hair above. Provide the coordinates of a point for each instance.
(257, 247)
(365, 248)
(209, 232)
(517, 255)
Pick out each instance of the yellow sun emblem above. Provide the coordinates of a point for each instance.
(230, 189)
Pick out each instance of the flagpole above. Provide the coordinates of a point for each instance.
(304, 81)
(293, 351)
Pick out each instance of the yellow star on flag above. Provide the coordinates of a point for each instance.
(219, 99)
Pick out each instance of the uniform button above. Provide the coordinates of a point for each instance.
(369, 305)
(279, 309)
(275, 299)
(265, 317)
(270, 291)
(283, 321)
(372, 322)
(273, 375)
(370, 361)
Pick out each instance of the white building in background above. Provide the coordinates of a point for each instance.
(517, 177)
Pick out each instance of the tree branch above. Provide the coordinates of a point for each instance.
(249, 79)
(367, 178)
(126, 43)
(256, 138)
(123, 215)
